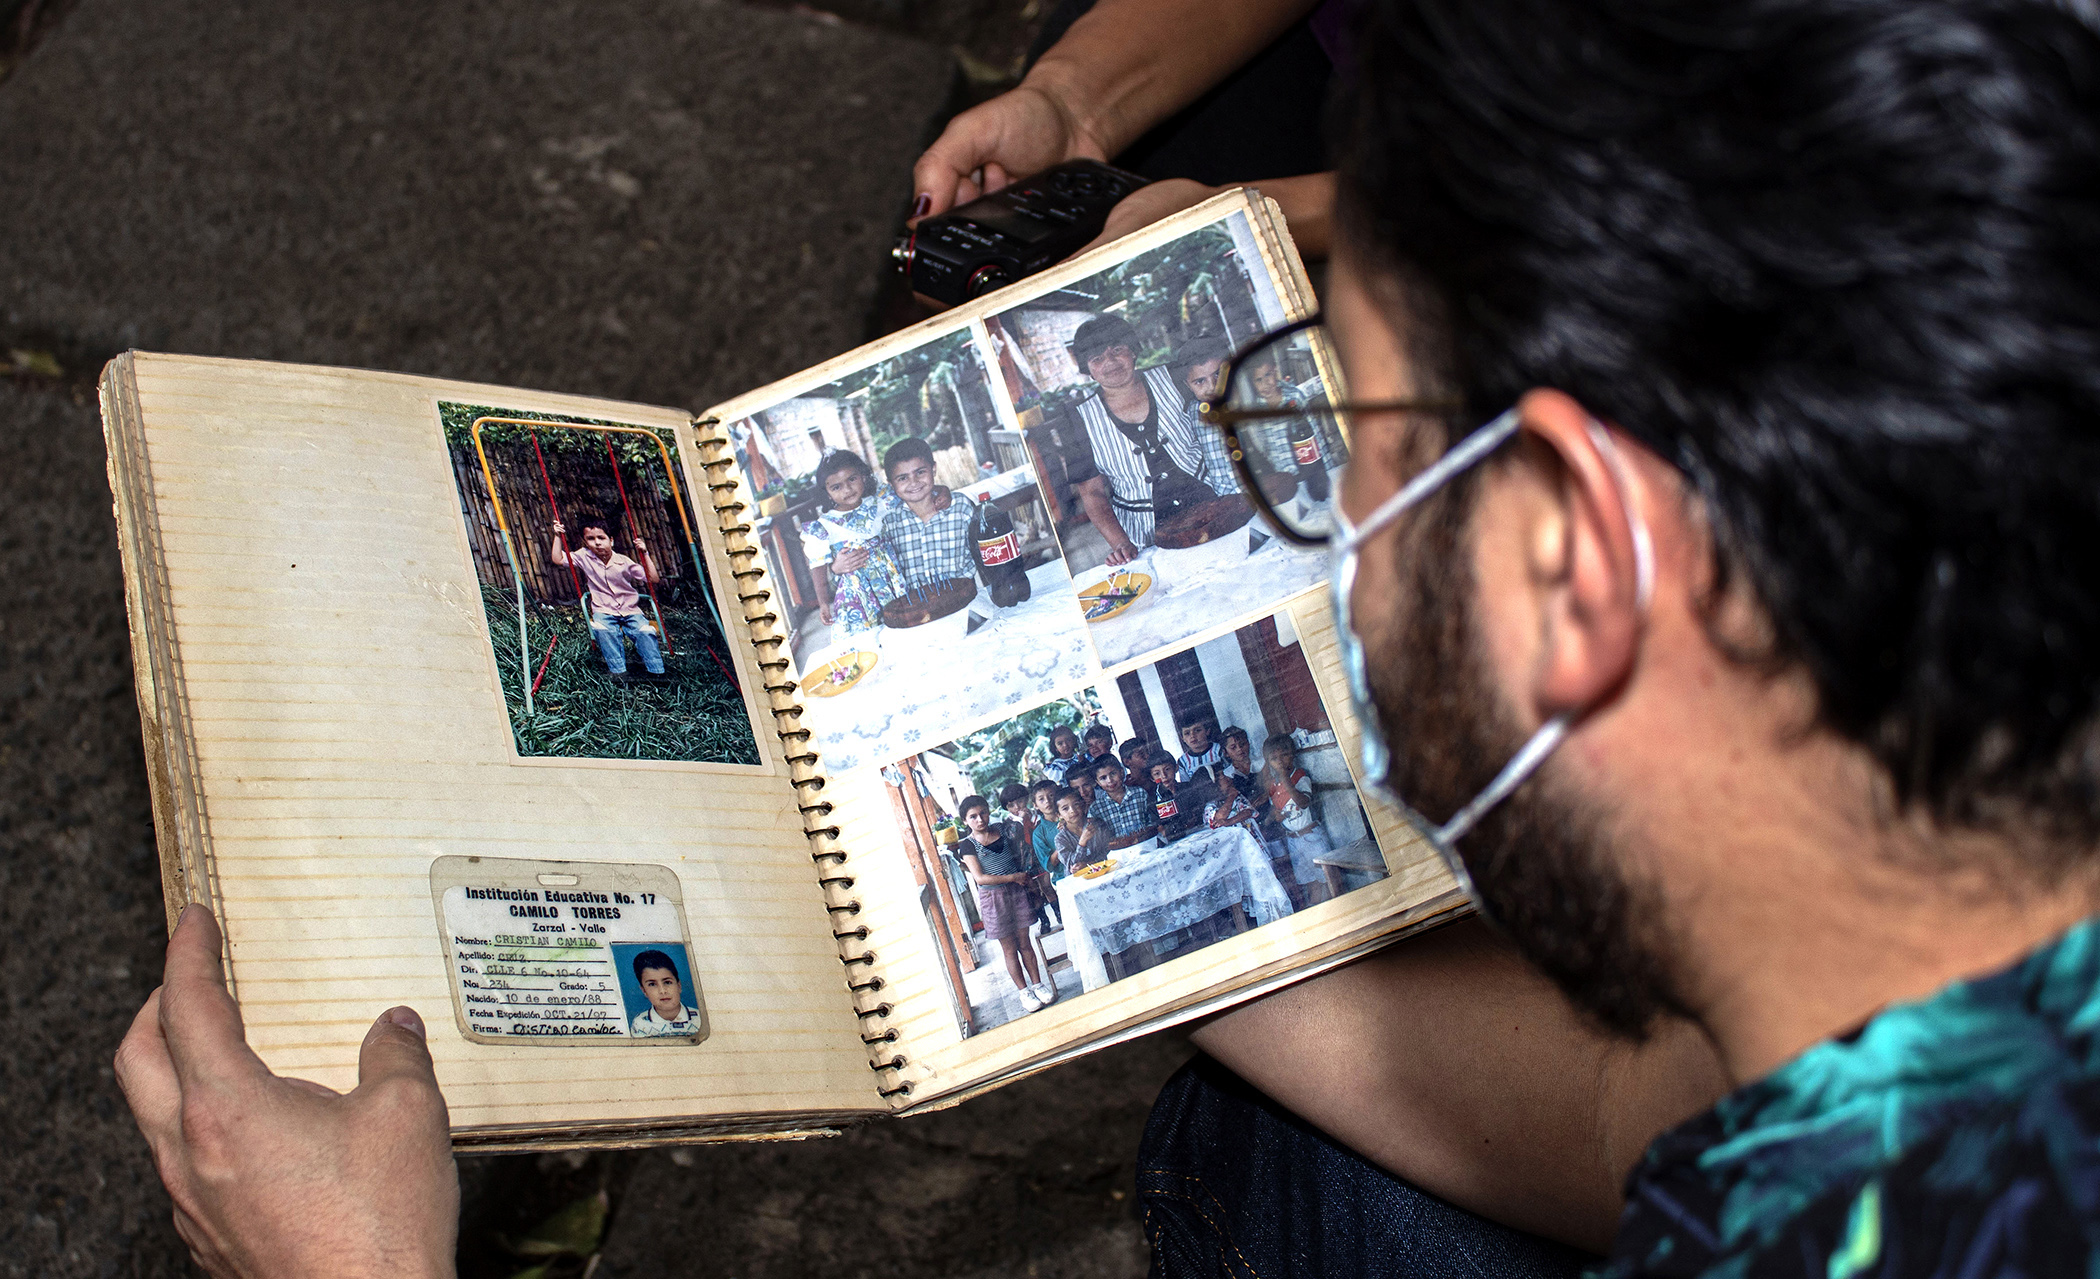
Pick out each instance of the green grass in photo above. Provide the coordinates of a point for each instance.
(580, 711)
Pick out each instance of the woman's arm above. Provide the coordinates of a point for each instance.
(1451, 1062)
(1094, 497)
(1123, 67)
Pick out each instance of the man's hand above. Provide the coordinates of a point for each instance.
(558, 529)
(640, 547)
(283, 1177)
(1148, 204)
(1121, 551)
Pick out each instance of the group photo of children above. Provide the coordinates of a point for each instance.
(608, 639)
(1097, 837)
(1105, 376)
(906, 539)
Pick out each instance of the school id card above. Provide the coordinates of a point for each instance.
(556, 952)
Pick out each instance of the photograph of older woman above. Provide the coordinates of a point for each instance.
(1143, 441)
(906, 540)
(1105, 375)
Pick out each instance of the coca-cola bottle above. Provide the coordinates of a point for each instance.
(998, 551)
(1177, 808)
(1305, 451)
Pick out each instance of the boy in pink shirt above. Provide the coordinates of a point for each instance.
(616, 603)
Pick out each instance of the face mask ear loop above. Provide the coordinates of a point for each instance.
(1520, 766)
(1555, 731)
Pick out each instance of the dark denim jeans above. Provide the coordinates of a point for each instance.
(1235, 1187)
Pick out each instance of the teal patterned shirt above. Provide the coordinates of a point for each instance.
(1958, 1136)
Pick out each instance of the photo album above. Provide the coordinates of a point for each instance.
(876, 738)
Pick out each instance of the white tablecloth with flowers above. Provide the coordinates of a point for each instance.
(1154, 891)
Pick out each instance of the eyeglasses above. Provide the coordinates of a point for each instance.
(1286, 440)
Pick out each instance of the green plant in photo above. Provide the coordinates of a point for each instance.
(580, 711)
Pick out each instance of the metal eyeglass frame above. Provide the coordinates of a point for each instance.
(1228, 420)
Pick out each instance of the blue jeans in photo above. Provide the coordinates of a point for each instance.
(1233, 1186)
(608, 628)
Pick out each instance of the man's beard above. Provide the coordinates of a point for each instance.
(1539, 861)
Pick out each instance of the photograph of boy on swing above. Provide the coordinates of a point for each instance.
(910, 554)
(607, 637)
(1105, 375)
(1228, 807)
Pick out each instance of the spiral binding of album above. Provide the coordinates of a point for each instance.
(718, 459)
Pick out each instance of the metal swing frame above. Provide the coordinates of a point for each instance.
(510, 552)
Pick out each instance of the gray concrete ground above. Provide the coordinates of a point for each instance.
(666, 200)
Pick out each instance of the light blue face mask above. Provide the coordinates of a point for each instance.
(1343, 551)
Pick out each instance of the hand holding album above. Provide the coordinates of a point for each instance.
(242, 1151)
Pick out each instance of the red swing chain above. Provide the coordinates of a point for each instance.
(554, 508)
(634, 530)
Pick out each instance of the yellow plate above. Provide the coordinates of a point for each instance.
(1108, 599)
(839, 674)
(1095, 870)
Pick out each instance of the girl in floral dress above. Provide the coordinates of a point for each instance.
(853, 600)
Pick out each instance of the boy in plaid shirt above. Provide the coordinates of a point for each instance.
(1125, 810)
(930, 540)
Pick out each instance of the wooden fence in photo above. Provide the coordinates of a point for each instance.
(583, 486)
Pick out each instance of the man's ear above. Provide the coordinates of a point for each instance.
(1585, 552)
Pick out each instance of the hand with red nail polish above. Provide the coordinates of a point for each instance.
(283, 1177)
(984, 148)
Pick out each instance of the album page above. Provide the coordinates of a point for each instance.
(1080, 714)
(449, 702)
